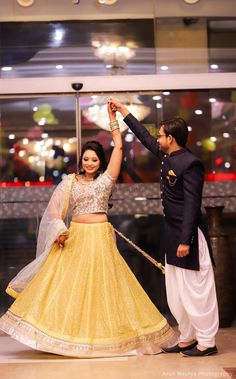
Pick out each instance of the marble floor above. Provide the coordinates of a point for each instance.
(20, 362)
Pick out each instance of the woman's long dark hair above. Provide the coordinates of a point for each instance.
(98, 149)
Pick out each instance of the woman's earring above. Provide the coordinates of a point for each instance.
(82, 170)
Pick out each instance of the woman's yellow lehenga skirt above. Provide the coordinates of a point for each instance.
(85, 301)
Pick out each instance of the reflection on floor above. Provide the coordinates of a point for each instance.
(19, 362)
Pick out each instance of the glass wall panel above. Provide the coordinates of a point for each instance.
(210, 114)
(37, 139)
(195, 44)
(77, 48)
(116, 47)
(222, 44)
(38, 142)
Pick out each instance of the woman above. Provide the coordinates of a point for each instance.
(79, 297)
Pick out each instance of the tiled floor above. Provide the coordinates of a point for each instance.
(20, 362)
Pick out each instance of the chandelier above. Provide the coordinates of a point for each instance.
(114, 57)
(97, 111)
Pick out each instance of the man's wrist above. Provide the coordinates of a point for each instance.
(124, 111)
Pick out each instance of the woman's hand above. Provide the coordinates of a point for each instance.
(61, 240)
(111, 111)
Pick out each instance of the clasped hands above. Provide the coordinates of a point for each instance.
(114, 104)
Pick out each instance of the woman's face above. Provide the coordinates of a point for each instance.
(90, 162)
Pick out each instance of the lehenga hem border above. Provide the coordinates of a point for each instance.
(11, 292)
(35, 338)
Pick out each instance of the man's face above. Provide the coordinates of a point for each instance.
(163, 140)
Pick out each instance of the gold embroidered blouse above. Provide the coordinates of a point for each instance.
(91, 197)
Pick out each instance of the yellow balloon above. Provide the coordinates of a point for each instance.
(208, 145)
(233, 96)
(51, 119)
(183, 113)
(45, 108)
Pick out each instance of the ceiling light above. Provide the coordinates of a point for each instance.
(59, 67)
(212, 100)
(22, 153)
(191, 1)
(25, 3)
(164, 68)
(214, 66)
(158, 97)
(6, 68)
(166, 93)
(107, 2)
(42, 121)
(198, 111)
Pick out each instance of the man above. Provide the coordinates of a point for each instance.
(190, 285)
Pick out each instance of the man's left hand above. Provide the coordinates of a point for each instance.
(182, 251)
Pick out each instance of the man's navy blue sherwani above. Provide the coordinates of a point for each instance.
(182, 177)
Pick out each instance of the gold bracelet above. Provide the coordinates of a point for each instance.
(114, 125)
(115, 128)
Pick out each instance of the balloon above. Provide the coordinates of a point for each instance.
(208, 145)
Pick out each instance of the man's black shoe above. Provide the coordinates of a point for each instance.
(178, 349)
(195, 352)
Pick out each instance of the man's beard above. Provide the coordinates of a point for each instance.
(163, 149)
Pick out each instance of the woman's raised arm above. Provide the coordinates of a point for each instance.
(116, 156)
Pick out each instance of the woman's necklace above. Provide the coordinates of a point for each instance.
(84, 180)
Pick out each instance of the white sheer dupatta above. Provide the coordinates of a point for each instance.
(51, 226)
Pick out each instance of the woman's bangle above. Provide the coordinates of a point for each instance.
(114, 125)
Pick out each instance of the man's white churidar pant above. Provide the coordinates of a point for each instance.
(191, 297)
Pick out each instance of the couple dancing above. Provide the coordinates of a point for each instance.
(79, 298)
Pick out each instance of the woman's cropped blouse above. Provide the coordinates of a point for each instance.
(91, 197)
